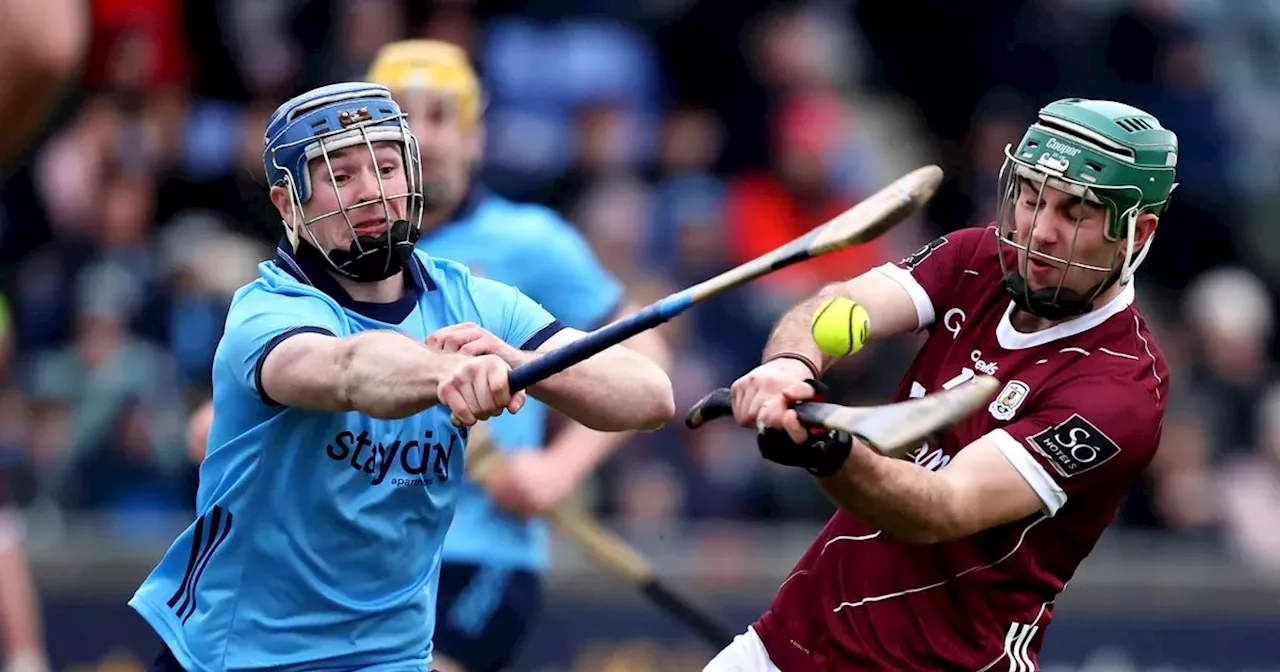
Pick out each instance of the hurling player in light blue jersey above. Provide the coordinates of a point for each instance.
(333, 467)
(495, 554)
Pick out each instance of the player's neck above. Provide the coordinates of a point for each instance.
(1027, 323)
(383, 291)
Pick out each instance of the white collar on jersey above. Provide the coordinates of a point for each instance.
(1012, 339)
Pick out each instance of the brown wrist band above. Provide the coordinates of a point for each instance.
(817, 372)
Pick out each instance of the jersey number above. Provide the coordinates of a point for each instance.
(935, 459)
(966, 374)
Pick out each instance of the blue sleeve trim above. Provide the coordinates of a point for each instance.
(271, 345)
(539, 337)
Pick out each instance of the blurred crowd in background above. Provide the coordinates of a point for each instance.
(682, 138)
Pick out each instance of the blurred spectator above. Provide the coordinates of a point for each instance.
(1249, 488)
(106, 367)
(118, 474)
(1231, 316)
(767, 210)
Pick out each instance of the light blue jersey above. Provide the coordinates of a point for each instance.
(318, 537)
(532, 248)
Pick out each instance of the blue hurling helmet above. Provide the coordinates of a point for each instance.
(318, 123)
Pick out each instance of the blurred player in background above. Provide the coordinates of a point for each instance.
(333, 466)
(41, 45)
(953, 559)
(496, 551)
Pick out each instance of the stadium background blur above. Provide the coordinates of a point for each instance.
(681, 138)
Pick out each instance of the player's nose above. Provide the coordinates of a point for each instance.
(366, 187)
(1044, 233)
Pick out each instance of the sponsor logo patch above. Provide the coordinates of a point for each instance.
(1074, 446)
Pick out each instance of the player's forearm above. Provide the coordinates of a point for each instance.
(906, 501)
(19, 612)
(614, 391)
(578, 449)
(387, 375)
(792, 332)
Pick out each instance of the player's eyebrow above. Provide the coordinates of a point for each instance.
(383, 151)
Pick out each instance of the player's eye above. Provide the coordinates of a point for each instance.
(387, 169)
(341, 178)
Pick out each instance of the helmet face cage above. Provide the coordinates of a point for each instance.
(365, 131)
(1016, 248)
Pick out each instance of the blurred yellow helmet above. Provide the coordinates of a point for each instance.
(430, 65)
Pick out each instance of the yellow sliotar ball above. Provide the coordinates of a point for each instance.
(841, 327)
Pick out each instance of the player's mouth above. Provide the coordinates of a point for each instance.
(370, 227)
(1041, 265)
(1042, 271)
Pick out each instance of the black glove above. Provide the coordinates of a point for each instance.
(822, 454)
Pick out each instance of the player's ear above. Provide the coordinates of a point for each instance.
(284, 204)
(282, 198)
(1143, 228)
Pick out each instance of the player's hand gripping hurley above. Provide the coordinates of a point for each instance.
(862, 223)
(892, 430)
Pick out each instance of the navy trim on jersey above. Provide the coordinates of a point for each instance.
(271, 345)
(199, 559)
(539, 337)
(315, 273)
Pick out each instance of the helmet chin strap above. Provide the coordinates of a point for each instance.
(1053, 303)
(382, 257)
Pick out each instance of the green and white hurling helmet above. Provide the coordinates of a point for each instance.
(1103, 152)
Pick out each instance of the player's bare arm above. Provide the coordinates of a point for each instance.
(616, 390)
(978, 490)
(384, 375)
(532, 482)
(891, 312)
(19, 604)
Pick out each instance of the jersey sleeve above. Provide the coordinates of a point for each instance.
(509, 314)
(259, 322)
(568, 279)
(1088, 435)
(931, 273)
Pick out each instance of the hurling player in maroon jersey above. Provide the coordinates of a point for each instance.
(953, 557)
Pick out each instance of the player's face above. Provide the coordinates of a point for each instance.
(1057, 224)
(450, 147)
(370, 187)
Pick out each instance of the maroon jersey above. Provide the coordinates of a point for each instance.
(1079, 416)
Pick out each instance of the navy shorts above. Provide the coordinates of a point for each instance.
(165, 662)
(483, 614)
